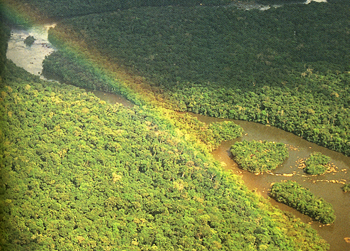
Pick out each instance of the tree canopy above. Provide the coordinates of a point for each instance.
(270, 67)
(77, 173)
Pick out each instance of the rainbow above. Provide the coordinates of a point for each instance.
(118, 80)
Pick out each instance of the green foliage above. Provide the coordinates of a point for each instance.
(4, 36)
(73, 69)
(280, 1)
(303, 200)
(69, 67)
(66, 8)
(29, 40)
(226, 130)
(316, 164)
(259, 156)
(78, 174)
(270, 67)
(346, 187)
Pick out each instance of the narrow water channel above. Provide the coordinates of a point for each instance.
(327, 186)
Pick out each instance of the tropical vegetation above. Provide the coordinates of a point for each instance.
(303, 200)
(259, 156)
(226, 130)
(4, 36)
(46, 9)
(346, 187)
(90, 77)
(316, 164)
(29, 40)
(270, 67)
(77, 173)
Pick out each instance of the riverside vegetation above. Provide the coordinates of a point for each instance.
(77, 173)
(303, 200)
(270, 67)
(29, 40)
(46, 9)
(316, 164)
(259, 156)
(346, 187)
(63, 148)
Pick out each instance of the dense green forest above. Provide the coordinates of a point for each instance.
(259, 156)
(4, 35)
(316, 163)
(44, 9)
(270, 67)
(77, 173)
(302, 199)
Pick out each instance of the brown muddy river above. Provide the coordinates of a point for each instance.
(327, 186)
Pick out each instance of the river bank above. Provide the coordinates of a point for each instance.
(324, 187)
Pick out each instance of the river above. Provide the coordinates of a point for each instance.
(30, 57)
(254, 5)
(327, 186)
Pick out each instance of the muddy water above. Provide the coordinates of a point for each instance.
(112, 98)
(31, 57)
(327, 186)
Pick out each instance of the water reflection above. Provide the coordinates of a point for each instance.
(31, 57)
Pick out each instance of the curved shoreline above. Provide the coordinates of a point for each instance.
(254, 132)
